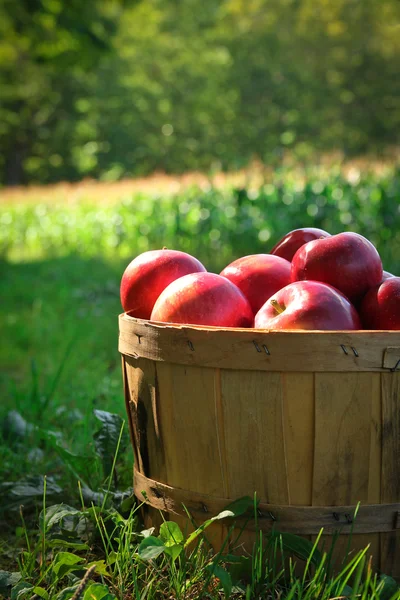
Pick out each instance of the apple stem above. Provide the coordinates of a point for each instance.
(278, 307)
(164, 248)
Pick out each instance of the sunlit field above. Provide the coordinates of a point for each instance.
(63, 250)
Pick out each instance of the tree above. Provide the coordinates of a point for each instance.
(46, 47)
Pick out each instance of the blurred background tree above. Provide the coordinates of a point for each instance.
(110, 88)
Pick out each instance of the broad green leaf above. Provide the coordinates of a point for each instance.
(101, 567)
(112, 557)
(150, 547)
(240, 506)
(56, 513)
(388, 588)
(98, 591)
(67, 593)
(8, 579)
(127, 503)
(41, 592)
(20, 590)
(223, 576)
(81, 465)
(174, 550)
(299, 546)
(58, 542)
(171, 533)
(66, 562)
(106, 439)
(29, 492)
(347, 591)
(239, 567)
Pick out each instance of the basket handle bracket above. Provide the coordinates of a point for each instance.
(391, 358)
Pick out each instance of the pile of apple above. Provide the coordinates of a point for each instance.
(310, 280)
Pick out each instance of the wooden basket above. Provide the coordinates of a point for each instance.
(310, 421)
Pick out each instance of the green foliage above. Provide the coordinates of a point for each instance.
(215, 225)
(130, 563)
(125, 88)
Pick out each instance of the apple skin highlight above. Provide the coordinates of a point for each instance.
(308, 305)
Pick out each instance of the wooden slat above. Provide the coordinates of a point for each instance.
(143, 415)
(190, 430)
(140, 387)
(254, 445)
(252, 415)
(298, 425)
(390, 542)
(251, 349)
(343, 443)
(375, 467)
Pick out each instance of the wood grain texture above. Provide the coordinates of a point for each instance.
(298, 427)
(252, 414)
(390, 542)
(257, 350)
(140, 385)
(345, 443)
(143, 414)
(191, 430)
(343, 436)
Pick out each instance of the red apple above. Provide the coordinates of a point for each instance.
(308, 305)
(258, 276)
(380, 308)
(347, 261)
(387, 275)
(149, 274)
(292, 241)
(203, 299)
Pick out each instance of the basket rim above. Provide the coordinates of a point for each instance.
(161, 325)
(258, 349)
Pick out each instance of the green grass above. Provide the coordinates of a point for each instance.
(60, 269)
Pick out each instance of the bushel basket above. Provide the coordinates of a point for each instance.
(309, 421)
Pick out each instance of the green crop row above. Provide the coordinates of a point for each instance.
(213, 224)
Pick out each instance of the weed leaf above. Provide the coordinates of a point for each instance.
(20, 590)
(28, 491)
(98, 591)
(41, 592)
(239, 567)
(66, 527)
(174, 551)
(101, 567)
(299, 546)
(72, 544)
(388, 588)
(80, 465)
(240, 506)
(8, 579)
(106, 439)
(64, 563)
(67, 593)
(223, 576)
(56, 514)
(150, 548)
(171, 533)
